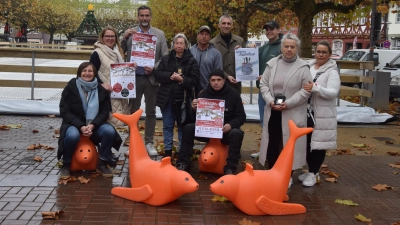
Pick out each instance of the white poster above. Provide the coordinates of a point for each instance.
(123, 81)
(143, 49)
(210, 118)
(246, 64)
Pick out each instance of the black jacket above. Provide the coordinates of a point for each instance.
(234, 111)
(169, 88)
(73, 114)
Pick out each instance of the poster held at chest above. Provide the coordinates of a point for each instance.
(123, 80)
(246, 64)
(143, 50)
(210, 118)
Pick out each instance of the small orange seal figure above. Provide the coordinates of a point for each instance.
(213, 157)
(85, 155)
(261, 192)
(154, 183)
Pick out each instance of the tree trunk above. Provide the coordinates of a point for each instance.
(242, 22)
(304, 33)
(51, 37)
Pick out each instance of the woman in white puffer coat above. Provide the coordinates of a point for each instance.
(324, 89)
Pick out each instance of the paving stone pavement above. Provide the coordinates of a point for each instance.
(28, 188)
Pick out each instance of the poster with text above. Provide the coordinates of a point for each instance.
(246, 64)
(123, 82)
(143, 50)
(210, 118)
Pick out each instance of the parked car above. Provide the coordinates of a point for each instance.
(381, 58)
(394, 69)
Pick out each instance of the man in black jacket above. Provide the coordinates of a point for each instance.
(234, 118)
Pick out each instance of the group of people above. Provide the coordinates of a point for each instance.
(205, 70)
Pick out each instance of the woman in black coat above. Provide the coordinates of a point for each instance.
(178, 72)
(85, 107)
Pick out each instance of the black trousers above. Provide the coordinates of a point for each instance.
(233, 138)
(275, 142)
(315, 158)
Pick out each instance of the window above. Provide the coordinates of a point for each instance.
(11, 30)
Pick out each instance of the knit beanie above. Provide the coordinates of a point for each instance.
(217, 72)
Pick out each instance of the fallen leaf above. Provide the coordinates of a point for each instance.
(396, 223)
(345, 202)
(35, 131)
(324, 166)
(389, 142)
(14, 126)
(333, 174)
(56, 136)
(94, 174)
(65, 181)
(244, 221)
(122, 129)
(83, 180)
(3, 127)
(381, 187)
(397, 163)
(395, 172)
(218, 198)
(202, 177)
(158, 134)
(257, 138)
(59, 164)
(37, 158)
(358, 145)
(331, 179)
(57, 131)
(394, 153)
(142, 126)
(53, 215)
(126, 155)
(31, 147)
(116, 171)
(362, 136)
(394, 166)
(46, 147)
(121, 162)
(362, 218)
(368, 152)
(51, 116)
(247, 130)
(325, 171)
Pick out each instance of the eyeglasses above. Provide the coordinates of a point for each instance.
(322, 52)
(109, 36)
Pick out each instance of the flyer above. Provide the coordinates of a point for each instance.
(246, 64)
(210, 118)
(143, 49)
(123, 82)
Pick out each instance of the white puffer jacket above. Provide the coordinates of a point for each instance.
(108, 56)
(323, 102)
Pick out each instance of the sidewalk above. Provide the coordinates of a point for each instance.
(28, 188)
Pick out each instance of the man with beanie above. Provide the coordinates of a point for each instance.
(269, 50)
(234, 118)
(206, 55)
(226, 43)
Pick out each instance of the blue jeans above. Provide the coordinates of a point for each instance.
(104, 135)
(168, 118)
(261, 106)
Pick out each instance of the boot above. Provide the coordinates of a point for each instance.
(65, 171)
(167, 153)
(103, 169)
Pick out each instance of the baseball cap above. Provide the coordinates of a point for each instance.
(272, 24)
(204, 27)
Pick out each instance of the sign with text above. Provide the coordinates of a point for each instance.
(246, 64)
(143, 50)
(210, 118)
(122, 76)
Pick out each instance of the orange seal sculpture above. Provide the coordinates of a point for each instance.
(261, 192)
(213, 157)
(85, 155)
(154, 183)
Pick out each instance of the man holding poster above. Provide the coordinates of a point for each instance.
(234, 117)
(145, 81)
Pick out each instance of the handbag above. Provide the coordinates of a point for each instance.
(184, 112)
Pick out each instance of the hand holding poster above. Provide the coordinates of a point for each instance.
(123, 81)
(210, 118)
(143, 49)
(246, 64)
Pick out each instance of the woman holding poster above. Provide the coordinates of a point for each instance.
(107, 51)
(178, 74)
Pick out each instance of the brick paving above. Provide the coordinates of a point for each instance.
(28, 188)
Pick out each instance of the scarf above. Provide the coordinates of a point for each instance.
(91, 102)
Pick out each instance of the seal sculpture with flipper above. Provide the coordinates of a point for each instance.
(262, 192)
(154, 183)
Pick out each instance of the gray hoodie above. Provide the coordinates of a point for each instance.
(208, 60)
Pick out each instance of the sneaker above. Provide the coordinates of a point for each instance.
(310, 180)
(183, 167)
(103, 169)
(64, 172)
(255, 155)
(290, 182)
(150, 149)
(303, 176)
(228, 171)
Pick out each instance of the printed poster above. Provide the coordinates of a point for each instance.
(143, 50)
(123, 80)
(210, 118)
(246, 64)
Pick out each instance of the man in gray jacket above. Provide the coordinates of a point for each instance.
(145, 81)
(206, 55)
(226, 43)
